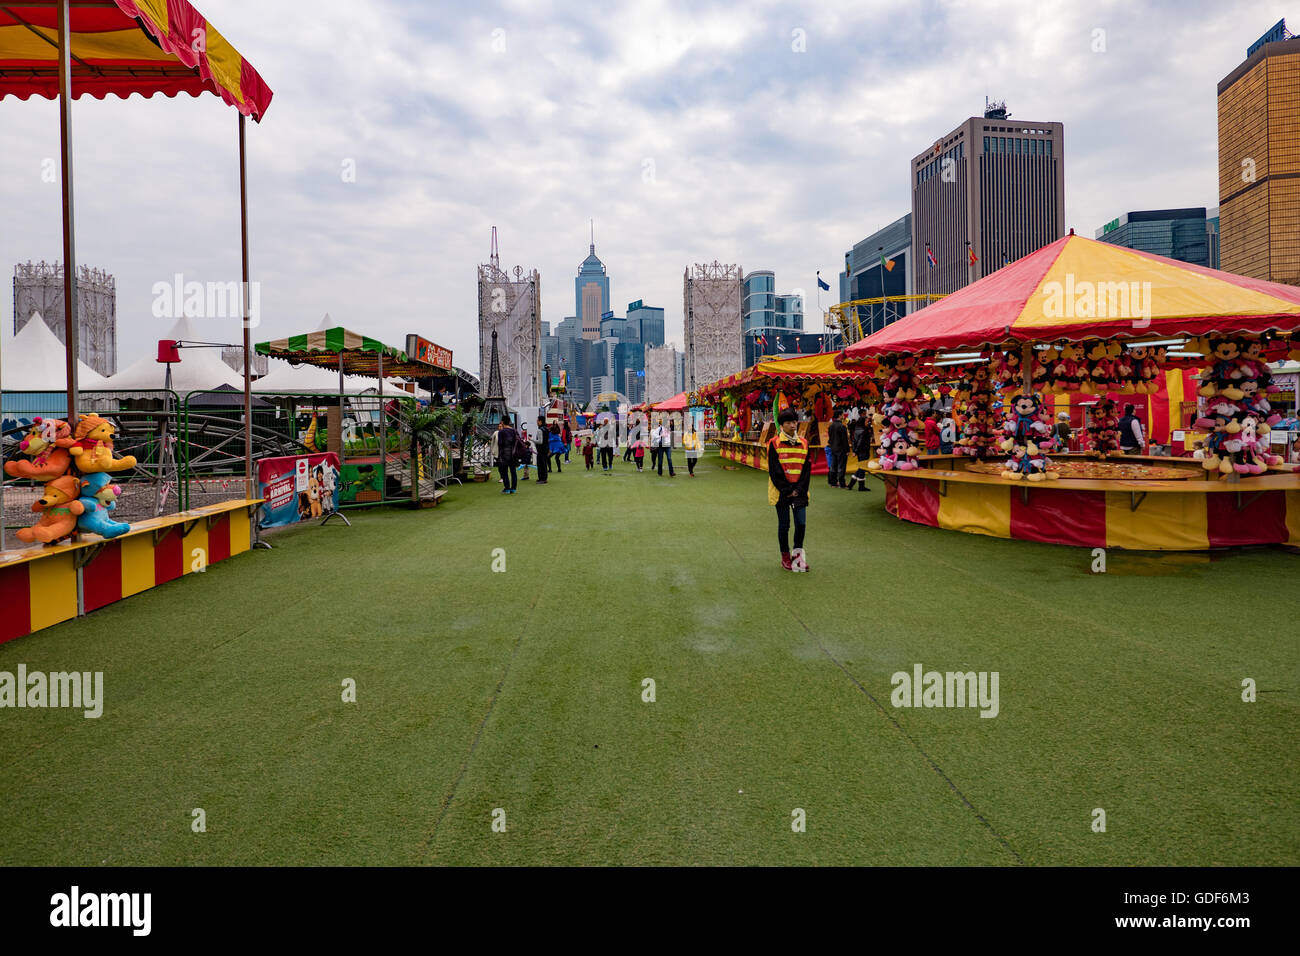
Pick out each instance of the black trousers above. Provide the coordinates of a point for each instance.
(654, 459)
(607, 458)
(783, 525)
(542, 460)
(627, 452)
(509, 477)
(690, 464)
(556, 458)
(839, 463)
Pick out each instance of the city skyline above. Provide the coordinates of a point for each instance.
(696, 136)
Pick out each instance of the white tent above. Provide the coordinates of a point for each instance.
(286, 378)
(34, 360)
(198, 369)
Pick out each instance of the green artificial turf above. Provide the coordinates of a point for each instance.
(522, 690)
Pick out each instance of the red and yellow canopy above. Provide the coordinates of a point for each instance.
(1077, 288)
(125, 47)
(798, 368)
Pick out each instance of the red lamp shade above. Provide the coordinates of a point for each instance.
(167, 351)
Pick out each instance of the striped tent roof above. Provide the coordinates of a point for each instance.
(1077, 288)
(124, 47)
(797, 368)
(360, 354)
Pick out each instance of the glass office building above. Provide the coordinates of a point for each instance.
(648, 321)
(1183, 234)
(758, 305)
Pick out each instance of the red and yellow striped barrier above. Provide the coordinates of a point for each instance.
(1143, 516)
(40, 587)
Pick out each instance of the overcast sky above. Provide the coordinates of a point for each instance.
(690, 131)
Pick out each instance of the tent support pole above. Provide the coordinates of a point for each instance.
(383, 431)
(71, 312)
(1027, 368)
(243, 247)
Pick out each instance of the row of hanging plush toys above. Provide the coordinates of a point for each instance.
(74, 467)
(897, 422)
(1097, 366)
(973, 402)
(1237, 413)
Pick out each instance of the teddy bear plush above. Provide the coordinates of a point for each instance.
(46, 443)
(93, 448)
(98, 498)
(58, 508)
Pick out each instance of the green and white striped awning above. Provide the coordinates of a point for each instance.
(360, 354)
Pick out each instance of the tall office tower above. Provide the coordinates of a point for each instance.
(512, 307)
(647, 320)
(591, 293)
(661, 373)
(711, 307)
(38, 287)
(1259, 161)
(1183, 234)
(994, 187)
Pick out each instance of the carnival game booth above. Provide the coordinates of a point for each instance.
(745, 405)
(367, 436)
(76, 556)
(1088, 324)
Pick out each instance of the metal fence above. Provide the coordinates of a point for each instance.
(189, 448)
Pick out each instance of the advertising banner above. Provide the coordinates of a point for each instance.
(297, 488)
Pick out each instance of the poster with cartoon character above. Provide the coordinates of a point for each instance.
(297, 488)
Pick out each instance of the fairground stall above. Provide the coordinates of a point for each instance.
(371, 437)
(1089, 328)
(77, 557)
(746, 404)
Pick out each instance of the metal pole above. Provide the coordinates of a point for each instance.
(248, 383)
(70, 310)
(383, 431)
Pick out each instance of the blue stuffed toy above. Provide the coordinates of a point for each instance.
(99, 496)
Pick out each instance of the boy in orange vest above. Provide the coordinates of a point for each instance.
(789, 469)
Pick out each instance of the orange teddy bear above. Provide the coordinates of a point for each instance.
(58, 509)
(93, 449)
(47, 445)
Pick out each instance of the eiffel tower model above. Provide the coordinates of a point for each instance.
(494, 409)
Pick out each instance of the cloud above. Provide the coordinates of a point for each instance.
(688, 131)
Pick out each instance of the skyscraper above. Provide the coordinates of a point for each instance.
(711, 307)
(879, 266)
(648, 321)
(1259, 161)
(591, 293)
(994, 187)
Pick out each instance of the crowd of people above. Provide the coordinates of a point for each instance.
(551, 444)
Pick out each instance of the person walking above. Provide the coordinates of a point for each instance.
(638, 451)
(503, 453)
(662, 439)
(837, 443)
(692, 447)
(588, 449)
(789, 470)
(542, 450)
(566, 433)
(607, 433)
(860, 441)
(627, 449)
(557, 447)
(1131, 441)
